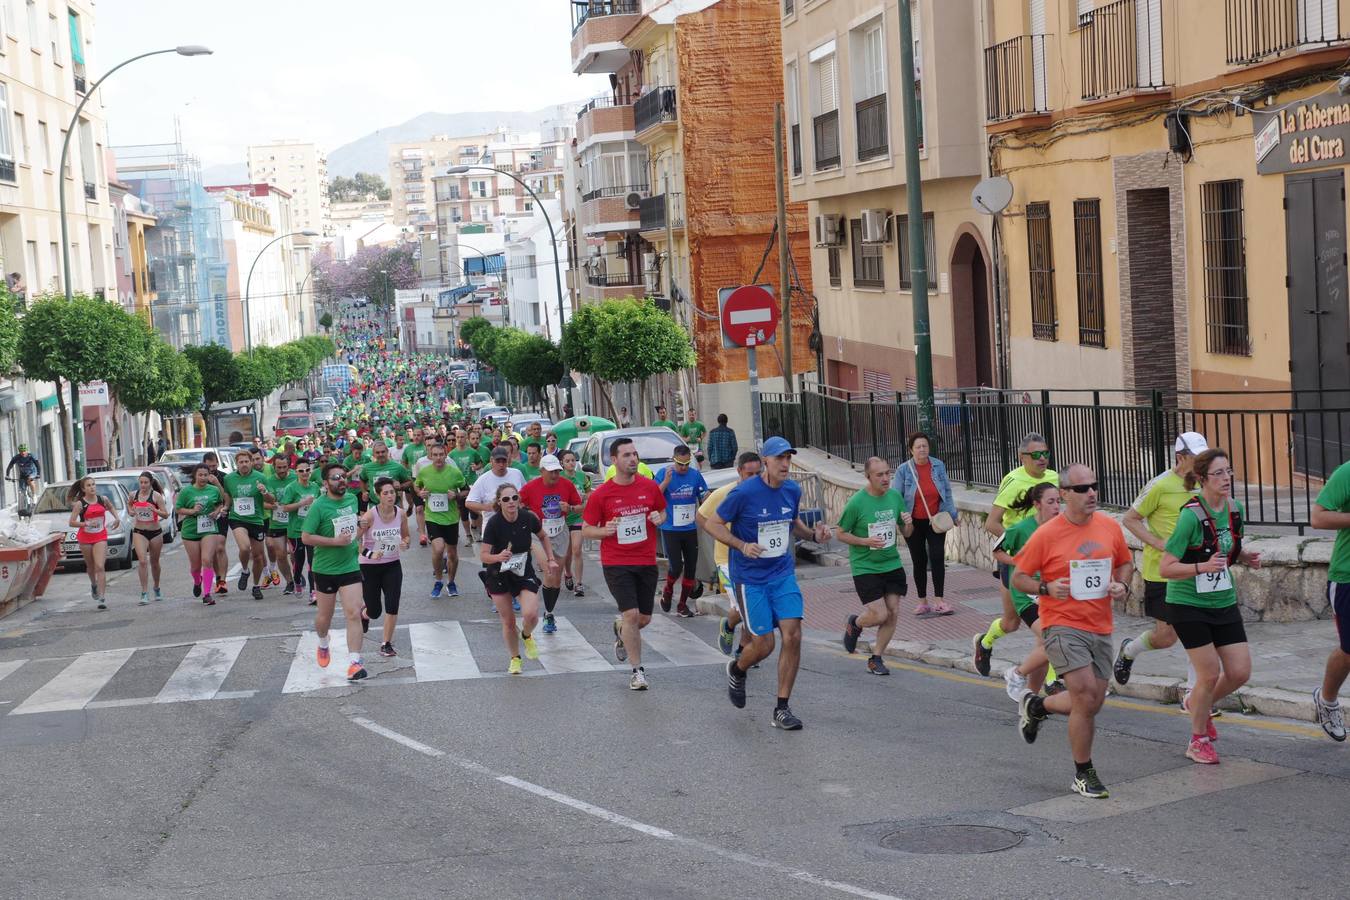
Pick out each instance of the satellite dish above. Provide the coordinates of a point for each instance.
(992, 195)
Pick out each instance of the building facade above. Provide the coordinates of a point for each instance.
(413, 164)
(251, 218)
(301, 170)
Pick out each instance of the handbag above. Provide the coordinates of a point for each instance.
(940, 523)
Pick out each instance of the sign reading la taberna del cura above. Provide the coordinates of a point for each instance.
(1304, 135)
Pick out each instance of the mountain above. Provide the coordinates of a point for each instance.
(225, 173)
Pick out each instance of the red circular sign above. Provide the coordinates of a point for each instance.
(750, 316)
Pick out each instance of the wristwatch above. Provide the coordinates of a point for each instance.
(1043, 589)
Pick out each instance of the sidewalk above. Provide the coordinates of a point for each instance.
(1287, 658)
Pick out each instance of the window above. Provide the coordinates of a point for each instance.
(34, 278)
(869, 90)
(54, 39)
(868, 264)
(1087, 238)
(918, 71)
(34, 36)
(1225, 262)
(906, 258)
(87, 152)
(6, 136)
(1040, 262)
(794, 114)
(45, 140)
(832, 254)
(825, 106)
(21, 138)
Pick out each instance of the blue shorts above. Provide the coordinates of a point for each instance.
(764, 606)
(1339, 596)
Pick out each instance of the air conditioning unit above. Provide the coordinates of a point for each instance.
(651, 283)
(829, 230)
(876, 226)
(633, 199)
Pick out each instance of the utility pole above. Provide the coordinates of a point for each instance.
(923, 347)
(784, 285)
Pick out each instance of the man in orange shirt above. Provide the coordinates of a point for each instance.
(1084, 565)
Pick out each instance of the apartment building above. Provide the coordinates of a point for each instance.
(251, 218)
(531, 282)
(301, 170)
(413, 165)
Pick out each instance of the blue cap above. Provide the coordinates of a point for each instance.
(777, 446)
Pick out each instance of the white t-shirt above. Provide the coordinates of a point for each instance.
(484, 490)
(422, 463)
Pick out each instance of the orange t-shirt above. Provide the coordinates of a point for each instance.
(1050, 551)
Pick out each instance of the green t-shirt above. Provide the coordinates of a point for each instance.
(530, 472)
(865, 515)
(438, 482)
(466, 459)
(187, 499)
(373, 471)
(1012, 542)
(1190, 533)
(411, 454)
(325, 516)
(349, 460)
(1160, 503)
(1335, 497)
(293, 494)
(1013, 486)
(484, 452)
(275, 486)
(246, 493)
(582, 481)
(693, 432)
(531, 441)
(666, 422)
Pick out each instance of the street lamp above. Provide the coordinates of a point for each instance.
(76, 424)
(557, 266)
(248, 325)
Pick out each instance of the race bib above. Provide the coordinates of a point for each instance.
(773, 537)
(554, 527)
(516, 564)
(386, 539)
(206, 525)
(438, 503)
(303, 511)
(682, 514)
(632, 529)
(1212, 582)
(344, 525)
(244, 506)
(145, 514)
(883, 530)
(281, 516)
(1089, 579)
(93, 526)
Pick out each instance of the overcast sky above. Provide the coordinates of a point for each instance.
(328, 71)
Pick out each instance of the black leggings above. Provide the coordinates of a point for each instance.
(386, 579)
(927, 548)
(299, 553)
(681, 553)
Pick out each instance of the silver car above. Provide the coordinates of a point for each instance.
(53, 513)
(130, 480)
(188, 457)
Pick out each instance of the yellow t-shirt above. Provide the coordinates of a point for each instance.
(1013, 486)
(643, 469)
(721, 552)
(1160, 504)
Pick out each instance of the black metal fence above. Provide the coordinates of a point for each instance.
(1256, 29)
(1121, 48)
(1015, 78)
(1280, 454)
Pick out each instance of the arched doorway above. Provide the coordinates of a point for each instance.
(972, 323)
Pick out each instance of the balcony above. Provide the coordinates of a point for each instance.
(1122, 49)
(826, 129)
(873, 135)
(608, 115)
(653, 109)
(1014, 78)
(612, 279)
(79, 84)
(654, 213)
(598, 27)
(90, 191)
(620, 191)
(1259, 29)
(606, 210)
(7, 171)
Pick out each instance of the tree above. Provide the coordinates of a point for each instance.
(529, 360)
(168, 384)
(361, 186)
(625, 340)
(473, 327)
(9, 330)
(218, 371)
(326, 320)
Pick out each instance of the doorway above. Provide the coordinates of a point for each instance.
(972, 325)
(1148, 232)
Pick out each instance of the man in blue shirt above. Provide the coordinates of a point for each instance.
(684, 487)
(757, 521)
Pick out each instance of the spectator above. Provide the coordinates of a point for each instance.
(161, 445)
(928, 493)
(150, 455)
(17, 287)
(722, 445)
(625, 420)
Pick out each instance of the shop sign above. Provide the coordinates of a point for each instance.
(1311, 134)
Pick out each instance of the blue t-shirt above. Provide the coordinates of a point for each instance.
(682, 498)
(762, 515)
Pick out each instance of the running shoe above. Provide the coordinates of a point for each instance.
(1016, 683)
(325, 656)
(923, 609)
(784, 719)
(102, 602)
(1055, 687)
(983, 657)
(289, 590)
(531, 649)
(257, 593)
(158, 595)
(851, 634)
(299, 583)
(665, 601)
(1027, 722)
(684, 612)
(196, 590)
(1089, 785)
(639, 681)
(569, 583)
(221, 586)
(436, 590)
(145, 599)
(387, 649)
(1122, 665)
(355, 672)
(550, 626)
(313, 600)
(726, 635)
(422, 541)
(735, 685)
(620, 652)
(514, 668)
(876, 666)
(1329, 716)
(276, 578)
(515, 604)
(581, 590)
(209, 600)
(452, 590)
(243, 580)
(1201, 750)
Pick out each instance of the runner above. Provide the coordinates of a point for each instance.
(440, 484)
(530, 467)
(747, 466)
(278, 525)
(575, 558)
(90, 515)
(470, 463)
(1035, 671)
(1331, 512)
(147, 509)
(1035, 454)
(757, 520)
(1152, 518)
(483, 494)
(221, 560)
(508, 570)
(552, 498)
(383, 531)
(381, 465)
(692, 430)
(1084, 565)
(663, 420)
(247, 490)
(296, 500)
(869, 525)
(198, 506)
(622, 514)
(330, 528)
(1203, 607)
(270, 574)
(683, 487)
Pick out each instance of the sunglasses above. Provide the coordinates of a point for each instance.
(1038, 454)
(514, 498)
(1081, 488)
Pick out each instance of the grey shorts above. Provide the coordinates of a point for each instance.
(1070, 649)
(562, 542)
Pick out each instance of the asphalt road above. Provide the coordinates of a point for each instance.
(567, 784)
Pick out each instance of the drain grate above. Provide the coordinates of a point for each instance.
(951, 839)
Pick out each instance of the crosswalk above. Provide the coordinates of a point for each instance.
(439, 651)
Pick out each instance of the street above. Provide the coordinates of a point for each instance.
(210, 761)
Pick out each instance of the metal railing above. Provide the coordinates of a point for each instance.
(654, 212)
(79, 84)
(826, 128)
(90, 191)
(873, 136)
(8, 172)
(613, 279)
(590, 9)
(1256, 29)
(608, 101)
(1281, 445)
(653, 108)
(1122, 49)
(1014, 78)
(619, 190)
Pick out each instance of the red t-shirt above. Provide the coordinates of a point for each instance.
(635, 544)
(927, 492)
(1053, 549)
(543, 500)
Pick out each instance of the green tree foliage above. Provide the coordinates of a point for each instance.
(219, 373)
(361, 186)
(9, 330)
(579, 337)
(473, 327)
(326, 320)
(631, 340)
(528, 360)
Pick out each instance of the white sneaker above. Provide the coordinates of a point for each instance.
(1329, 716)
(1016, 683)
(638, 682)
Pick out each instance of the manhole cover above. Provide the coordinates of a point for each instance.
(951, 839)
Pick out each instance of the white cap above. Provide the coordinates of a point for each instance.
(549, 463)
(1191, 442)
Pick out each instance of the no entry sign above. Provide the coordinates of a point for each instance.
(749, 315)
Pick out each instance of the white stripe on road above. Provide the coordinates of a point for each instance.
(8, 668)
(441, 652)
(306, 674)
(590, 809)
(567, 651)
(678, 644)
(77, 684)
(202, 672)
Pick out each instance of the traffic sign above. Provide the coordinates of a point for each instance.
(473, 376)
(749, 315)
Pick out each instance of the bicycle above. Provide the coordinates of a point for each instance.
(28, 490)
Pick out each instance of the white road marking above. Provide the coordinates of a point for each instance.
(679, 645)
(306, 674)
(622, 821)
(202, 672)
(567, 651)
(441, 652)
(8, 668)
(77, 684)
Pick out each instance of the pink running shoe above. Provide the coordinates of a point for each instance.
(1202, 751)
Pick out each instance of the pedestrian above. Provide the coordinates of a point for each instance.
(147, 509)
(722, 444)
(747, 466)
(90, 514)
(551, 498)
(247, 490)
(928, 496)
(296, 500)
(1035, 671)
(871, 521)
(758, 519)
(466, 456)
(483, 496)
(330, 528)
(383, 532)
(1203, 608)
(683, 488)
(1331, 512)
(508, 570)
(198, 506)
(1084, 564)
(575, 558)
(149, 451)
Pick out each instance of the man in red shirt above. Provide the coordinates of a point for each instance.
(623, 514)
(551, 497)
(1083, 565)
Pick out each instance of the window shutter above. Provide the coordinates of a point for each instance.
(1148, 37)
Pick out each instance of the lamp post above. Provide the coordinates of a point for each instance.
(76, 423)
(248, 284)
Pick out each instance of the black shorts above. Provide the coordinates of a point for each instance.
(874, 586)
(1155, 601)
(1338, 595)
(633, 587)
(1031, 615)
(148, 535)
(329, 584)
(573, 527)
(448, 533)
(255, 532)
(509, 583)
(1198, 626)
(1005, 575)
(276, 532)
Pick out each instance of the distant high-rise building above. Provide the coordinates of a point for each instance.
(301, 170)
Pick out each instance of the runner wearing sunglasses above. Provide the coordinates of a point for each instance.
(508, 570)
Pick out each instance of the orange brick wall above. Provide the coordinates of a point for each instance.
(731, 75)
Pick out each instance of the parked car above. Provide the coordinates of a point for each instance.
(130, 480)
(53, 513)
(521, 420)
(295, 424)
(184, 460)
(577, 444)
(655, 446)
(494, 413)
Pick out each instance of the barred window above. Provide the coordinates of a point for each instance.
(1087, 237)
(1225, 268)
(906, 258)
(868, 265)
(1041, 264)
(836, 277)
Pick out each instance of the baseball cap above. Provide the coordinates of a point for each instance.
(1191, 442)
(500, 453)
(550, 463)
(776, 446)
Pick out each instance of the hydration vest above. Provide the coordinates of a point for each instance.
(1209, 541)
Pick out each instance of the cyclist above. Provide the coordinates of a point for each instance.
(29, 468)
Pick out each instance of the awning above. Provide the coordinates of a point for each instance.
(76, 51)
(445, 298)
(485, 265)
(47, 403)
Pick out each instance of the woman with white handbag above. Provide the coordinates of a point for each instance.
(928, 494)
